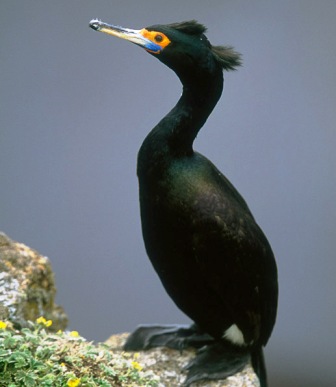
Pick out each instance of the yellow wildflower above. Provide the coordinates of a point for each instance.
(73, 382)
(74, 334)
(41, 320)
(3, 325)
(136, 365)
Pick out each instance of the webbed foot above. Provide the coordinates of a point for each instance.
(215, 362)
(172, 336)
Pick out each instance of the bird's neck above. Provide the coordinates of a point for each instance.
(173, 136)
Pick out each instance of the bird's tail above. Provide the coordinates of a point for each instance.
(258, 364)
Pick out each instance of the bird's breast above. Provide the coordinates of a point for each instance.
(180, 199)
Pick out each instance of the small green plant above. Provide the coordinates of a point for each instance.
(35, 357)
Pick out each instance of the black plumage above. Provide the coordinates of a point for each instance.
(211, 256)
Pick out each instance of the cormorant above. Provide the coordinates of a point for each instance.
(211, 256)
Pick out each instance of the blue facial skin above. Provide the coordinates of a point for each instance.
(152, 47)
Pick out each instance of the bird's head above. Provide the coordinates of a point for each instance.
(181, 46)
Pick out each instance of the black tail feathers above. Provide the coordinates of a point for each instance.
(258, 364)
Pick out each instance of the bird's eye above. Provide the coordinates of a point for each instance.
(156, 37)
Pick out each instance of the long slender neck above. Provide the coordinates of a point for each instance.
(173, 136)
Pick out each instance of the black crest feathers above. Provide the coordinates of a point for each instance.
(190, 27)
(228, 58)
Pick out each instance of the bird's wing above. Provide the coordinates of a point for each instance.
(237, 261)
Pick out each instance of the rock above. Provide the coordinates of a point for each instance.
(168, 365)
(27, 286)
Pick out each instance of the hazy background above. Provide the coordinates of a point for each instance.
(75, 107)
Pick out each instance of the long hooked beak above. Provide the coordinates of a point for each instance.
(134, 36)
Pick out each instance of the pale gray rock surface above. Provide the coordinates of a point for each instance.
(168, 364)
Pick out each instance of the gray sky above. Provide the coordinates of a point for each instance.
(75, 106)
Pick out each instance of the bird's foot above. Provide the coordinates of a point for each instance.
(171, 336)
(215, 362)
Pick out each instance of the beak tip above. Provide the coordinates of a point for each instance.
(95, 24)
